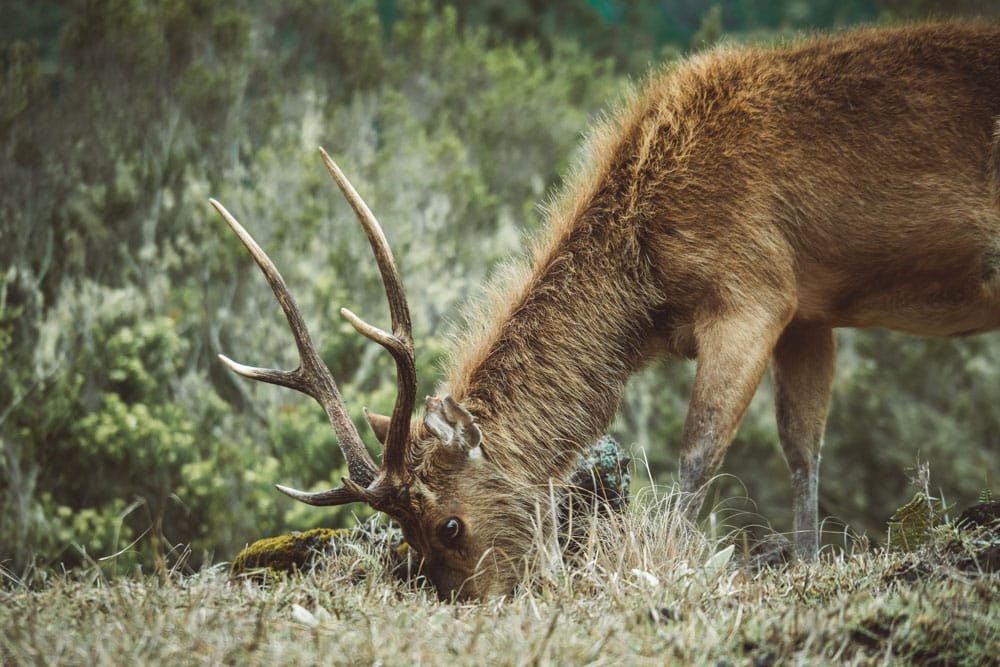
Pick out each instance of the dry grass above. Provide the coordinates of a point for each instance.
(643, 590)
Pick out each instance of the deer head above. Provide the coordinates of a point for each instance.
(470, 521)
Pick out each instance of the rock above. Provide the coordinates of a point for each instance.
(971, 544)
(301, 552)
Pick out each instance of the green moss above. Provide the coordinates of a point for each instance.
(286, 553)
(368, 548)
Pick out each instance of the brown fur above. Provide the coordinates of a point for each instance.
(737, 210)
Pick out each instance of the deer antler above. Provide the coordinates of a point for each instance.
(400, 342)
(313, 377)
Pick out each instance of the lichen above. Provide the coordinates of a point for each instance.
(602, 472)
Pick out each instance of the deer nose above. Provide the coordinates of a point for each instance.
(452, 585)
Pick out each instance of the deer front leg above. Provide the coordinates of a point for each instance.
(803, 376)
(732, 355)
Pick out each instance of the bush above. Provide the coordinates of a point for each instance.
(118, 423)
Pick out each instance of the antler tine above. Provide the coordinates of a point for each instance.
(312, 377)
(400, 342)
(341, 495)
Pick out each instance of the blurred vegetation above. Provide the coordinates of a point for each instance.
(120, 431)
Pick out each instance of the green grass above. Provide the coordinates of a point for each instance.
(644, 590)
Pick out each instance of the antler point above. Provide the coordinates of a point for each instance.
(287, 490)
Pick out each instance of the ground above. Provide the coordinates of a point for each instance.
(646, 590)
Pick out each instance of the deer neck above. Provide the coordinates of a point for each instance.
(546, 378)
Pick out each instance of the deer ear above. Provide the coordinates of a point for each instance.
(451, 424)
(378, 423)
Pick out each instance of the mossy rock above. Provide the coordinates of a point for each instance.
(970, 544)
(366, 547)
(599, 485)
(286, 553)
(979, 550)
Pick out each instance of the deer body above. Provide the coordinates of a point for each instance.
(736, 211)
(744, 207)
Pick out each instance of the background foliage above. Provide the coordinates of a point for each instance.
(118, 285)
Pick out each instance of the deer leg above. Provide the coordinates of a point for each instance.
(732, 355)
(803, 375)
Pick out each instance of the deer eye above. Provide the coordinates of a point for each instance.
(450, 531)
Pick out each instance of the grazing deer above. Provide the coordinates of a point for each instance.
(736, 211)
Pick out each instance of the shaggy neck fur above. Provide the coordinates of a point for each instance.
(545, 373)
